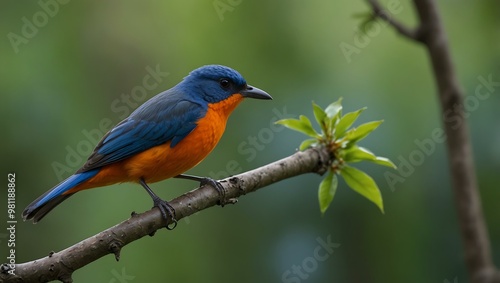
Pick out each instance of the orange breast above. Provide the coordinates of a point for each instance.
(162, 162)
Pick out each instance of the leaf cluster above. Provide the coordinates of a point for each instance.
(341, 140)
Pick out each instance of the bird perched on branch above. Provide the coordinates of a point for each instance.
(166, 136)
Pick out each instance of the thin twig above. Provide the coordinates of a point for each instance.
(380, 12)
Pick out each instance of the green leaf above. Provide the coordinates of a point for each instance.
(326, 191)
(362, 183)
(319, 114)
(346, 121)
(384, 161)
(333, 112)
(307, 122)
(357, 153)
(301, 125)
(334, 109)
(360, 132)
(307, 143)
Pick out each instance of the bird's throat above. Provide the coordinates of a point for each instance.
(225, 107)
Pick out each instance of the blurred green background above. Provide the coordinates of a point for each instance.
(69, 73)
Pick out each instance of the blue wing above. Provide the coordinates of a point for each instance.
(169, 116)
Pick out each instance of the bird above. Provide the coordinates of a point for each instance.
(164, 137)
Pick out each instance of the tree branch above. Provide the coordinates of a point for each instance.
(61, 265)
(467, 201)
(380, 12)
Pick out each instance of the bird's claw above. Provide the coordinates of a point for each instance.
(167, 212)
(218, 186)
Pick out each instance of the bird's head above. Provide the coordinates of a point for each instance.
(215, 83)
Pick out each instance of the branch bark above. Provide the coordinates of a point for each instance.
(61, 265)
(473, 229)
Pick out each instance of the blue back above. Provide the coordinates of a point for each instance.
(168, 116)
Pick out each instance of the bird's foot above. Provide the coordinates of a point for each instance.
(213, 183)
(167, 212)
(220, 189)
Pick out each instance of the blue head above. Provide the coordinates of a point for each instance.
(214, 83)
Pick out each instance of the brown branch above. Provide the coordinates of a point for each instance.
(61, 265)
(380, 12)
(467, 201)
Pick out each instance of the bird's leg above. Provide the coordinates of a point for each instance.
(167, 211)
(208, 181)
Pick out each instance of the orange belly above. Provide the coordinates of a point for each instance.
(163, 162)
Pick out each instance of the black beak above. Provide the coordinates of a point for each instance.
(253, 92)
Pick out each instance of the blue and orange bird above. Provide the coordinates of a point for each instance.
(166, 136)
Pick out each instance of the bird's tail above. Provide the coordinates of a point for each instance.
(46, 202)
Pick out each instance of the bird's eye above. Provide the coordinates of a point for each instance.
(224, 83)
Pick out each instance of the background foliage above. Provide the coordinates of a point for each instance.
(68, 75)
